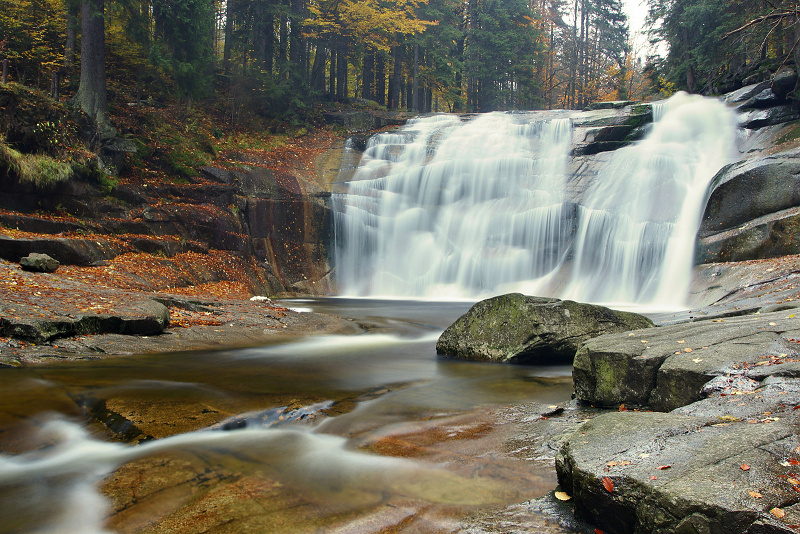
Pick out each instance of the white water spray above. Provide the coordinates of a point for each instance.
(447, 208)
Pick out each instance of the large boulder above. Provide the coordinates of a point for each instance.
(752, 188)
(752, 210)
(673, 473)
(516, 328)
(667, 367)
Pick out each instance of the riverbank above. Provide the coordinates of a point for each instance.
(36, 306)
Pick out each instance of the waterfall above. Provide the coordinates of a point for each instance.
(639, 219)
(468, 207)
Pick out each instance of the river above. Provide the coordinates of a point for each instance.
(321, 434)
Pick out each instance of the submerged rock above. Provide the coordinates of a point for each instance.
(516, 328)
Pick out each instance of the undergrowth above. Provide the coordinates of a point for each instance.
(41, 170)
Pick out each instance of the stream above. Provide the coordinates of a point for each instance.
(320, 434)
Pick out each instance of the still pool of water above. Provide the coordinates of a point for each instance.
(363, 433)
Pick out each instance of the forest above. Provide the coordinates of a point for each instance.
(283, 58)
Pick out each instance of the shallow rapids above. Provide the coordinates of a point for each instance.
(325, 433)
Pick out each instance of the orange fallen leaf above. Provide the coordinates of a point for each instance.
(755, 494)
(745, 467)
(793, 481)
(663, 467)
(653, 477)
(608, 484)
(777, 512)
(562, 496)
(598, 531)
(612, 464)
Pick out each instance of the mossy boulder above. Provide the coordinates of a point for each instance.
(516, 328)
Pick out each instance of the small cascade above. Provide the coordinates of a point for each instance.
(469, 207)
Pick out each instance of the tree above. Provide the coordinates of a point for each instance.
(92, 97)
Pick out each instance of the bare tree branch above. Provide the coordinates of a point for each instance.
(758, 20)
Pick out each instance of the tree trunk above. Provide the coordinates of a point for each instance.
(91, 96)
(380, 79)
(318, 70)
(283, 49)
(341, 73)
(73, 8)
(296, 42)
(397, 71)
(368, 75)
(332, 77)
(415, 82)
(228, 47)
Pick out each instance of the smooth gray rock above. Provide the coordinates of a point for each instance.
(605, 129)
(750, 189)
(674, 473)
(516, 328)
(667, 367)
(143, 318)
(39, 263)
(771, 236)
(760, 118)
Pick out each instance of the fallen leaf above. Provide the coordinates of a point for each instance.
(773, 324)
(755, 494)
(687, 349)
(696, 360)
(608, 484)
(745, 467)
(777, 512)
(625, 462)
(793, 481)
(612, 464)
(562, 496)
(663, 467)
(653, 477)
(598, 531)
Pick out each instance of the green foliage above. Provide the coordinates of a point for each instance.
(184, 28)
(702, 57)
(33, 123)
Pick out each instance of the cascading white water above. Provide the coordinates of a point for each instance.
(639, 219)
(447, 208)
(452, 208)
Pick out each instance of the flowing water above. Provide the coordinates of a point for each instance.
(322, 434)
(455, 207)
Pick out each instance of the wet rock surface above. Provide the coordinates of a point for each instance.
(666, 367)
(669, 472)
(724, 453)
(515, 328)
